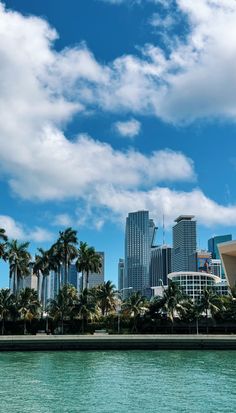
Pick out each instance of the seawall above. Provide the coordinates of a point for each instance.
(117, 342)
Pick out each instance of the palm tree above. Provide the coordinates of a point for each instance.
(28, 305)
(3, 245)
(19, 260)
(62, 306)
(172, 301)
(42, 268)
(56, 261)
(210, 303)
(66, 244)
(106, 297)
(135, 306)
(86, 308)
(6, 305)
(190, 311)
(88, 261)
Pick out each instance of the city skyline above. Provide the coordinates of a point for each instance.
(114, 106)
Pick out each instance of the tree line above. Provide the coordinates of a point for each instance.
(101, 307)
(57, 258)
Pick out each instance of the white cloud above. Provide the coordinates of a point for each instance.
(172, 203)
(41, 89)
(129, 128)
(162, 22)
(63, 220)
(16, 230)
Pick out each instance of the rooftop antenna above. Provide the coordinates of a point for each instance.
(163, 229)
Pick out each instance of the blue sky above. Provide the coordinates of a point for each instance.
(110, 106)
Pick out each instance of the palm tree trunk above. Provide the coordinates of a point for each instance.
(87, 280)
(83, 324)
(2, 326)
(59, 276)
(207, 328)
(25, 331)
(62, 324)
(14, 282)
(42, 293)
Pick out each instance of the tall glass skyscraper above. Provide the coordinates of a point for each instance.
(213, 244)
(213, 247)
(139, 236)
(160, 265)
(184, 244)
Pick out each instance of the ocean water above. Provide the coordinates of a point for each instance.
(118, 382)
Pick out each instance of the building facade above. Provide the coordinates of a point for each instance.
(160, 265)
(193, 283)
(139, 236)
(213, 247)
(184, 244)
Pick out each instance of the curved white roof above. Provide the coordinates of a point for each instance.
(199, 274)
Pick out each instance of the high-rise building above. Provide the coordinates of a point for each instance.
(213, 247)
(184, 244)
(139, 235)
(216, 267)
(213, 244)
(160, 265)
(121, 274)
(52, 286)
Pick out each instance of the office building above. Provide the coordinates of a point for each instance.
(213, 244)
(203, 259)
(139, 236)
(160, 265)
(53, 283)
(216, 267)
(184, 244)
(213, 247)
(121, 274)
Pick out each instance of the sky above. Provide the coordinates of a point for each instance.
(113, 106)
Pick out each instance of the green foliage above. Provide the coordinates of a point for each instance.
(88, 261)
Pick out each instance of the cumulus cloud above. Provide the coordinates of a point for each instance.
(62, 220)
(41, 90)
(16, 230)
(172, 203)
(129, 128)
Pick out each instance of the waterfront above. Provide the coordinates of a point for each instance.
(118, 382)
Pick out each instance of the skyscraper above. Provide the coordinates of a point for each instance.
(139, 235)
(213, 247)
(184, 244)
(160, 265)
(213, 244)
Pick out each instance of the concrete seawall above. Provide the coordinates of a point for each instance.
(117, 342)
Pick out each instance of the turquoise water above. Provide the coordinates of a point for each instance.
(118, 382)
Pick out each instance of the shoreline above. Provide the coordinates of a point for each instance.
(117, 342)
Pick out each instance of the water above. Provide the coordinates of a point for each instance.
(118, 382)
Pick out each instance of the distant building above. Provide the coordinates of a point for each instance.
(213, 247)
(53, 282)
(139, 236)
(216, 267)
(160, 265)
(213, 244)
(193, 283)
(203, 259)
(121, 274)
(184, 244)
